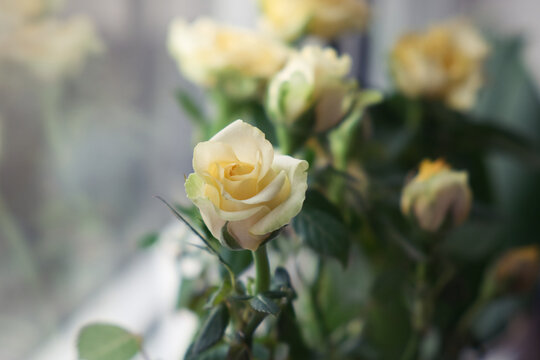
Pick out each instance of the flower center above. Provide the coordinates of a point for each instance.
(238, 169)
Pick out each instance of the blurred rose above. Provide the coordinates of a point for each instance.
(290, 19)
(436, 194)
(50, 47)
(237, 60)
(313, 78)
(13, 12)
(444, 62)
(241, 185)
(518, 269)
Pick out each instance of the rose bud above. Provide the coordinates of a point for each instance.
(437, 194)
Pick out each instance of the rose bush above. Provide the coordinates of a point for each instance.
(242, 189)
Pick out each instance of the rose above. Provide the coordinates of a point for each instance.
(517, 270)
(444, 63)
(313, 79)
(242, 189)
(290, 19)
(238, 61)
(436, 194)
(52, 48)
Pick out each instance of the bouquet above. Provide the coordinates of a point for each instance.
(331, 221)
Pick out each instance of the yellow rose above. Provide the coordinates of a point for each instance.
(290, 19)
(238, 60)
(314, 78)
(444, 63)
(52, 48)
(436, 194)
(518, 269)
(15, 11)
(242, 189)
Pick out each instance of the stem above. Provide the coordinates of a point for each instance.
(284, 139)
(262, 268)
(317, 311)
(419, 313)
(21, 251)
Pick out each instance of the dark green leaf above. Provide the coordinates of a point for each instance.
(320, 226)
(264, 304)
(289, 332)
(211, 332)
(220, 294)
(148, 240)
(238, 260)
(107, 342)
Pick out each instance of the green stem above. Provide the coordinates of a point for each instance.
(284, 139)
(22, 254)
(317, 310)
(262, 270)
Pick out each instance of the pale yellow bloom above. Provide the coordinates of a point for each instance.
(238, 60)
(242, 189)
(16, 11)
(315, 78)
(436, 194)
(50, 47)
(444, 62)
(290, 19)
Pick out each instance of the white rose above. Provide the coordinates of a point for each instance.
(241, 186)
(314, 78)
(236, 59)
(444, 62)
(437, 193)
(52, 48)
(290, 19)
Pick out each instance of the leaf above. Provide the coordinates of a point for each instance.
(148, 240)
(211, 332)
(263, 304)
(320, 226)
(494, 317)
(107, 342)
(289, 332)
(220, 294)
(191, 108)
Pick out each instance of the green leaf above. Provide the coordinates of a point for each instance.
(107, 342)
(191, 108)
(494, 317)
(289, 332)
(264, 304)
(320, 226)
(211, 332)
(220, 294)
(148, 240)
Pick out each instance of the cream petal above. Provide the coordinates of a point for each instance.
(210, 152)
(297, 174)
(240, 231)
(248, 143)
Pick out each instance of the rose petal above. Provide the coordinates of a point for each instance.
(248, 143)
(297, 174)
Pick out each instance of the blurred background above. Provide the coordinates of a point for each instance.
(83, 153)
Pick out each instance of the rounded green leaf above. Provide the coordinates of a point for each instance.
(107, 342)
